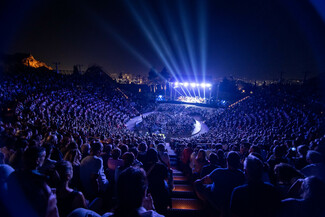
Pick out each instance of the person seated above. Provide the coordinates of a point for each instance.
(286, 176)
(213, 164)
(67, 198)
(128, 159)
(92, 174)
(316, 165)
(133, 200)
(135, 152)
(301, 161)
(311, 203)
(157, 174)
(74, 157)
(115, 160)
(255, 198)
(142, 152)
(163, 155)
(215, 188)
(5, 171)
(199, 162)
(28, 188)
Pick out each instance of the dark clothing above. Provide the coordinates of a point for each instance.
(28, 194)
(142, 157)
(157, 173)
(218, 193)
(224, 181)
(300, 163)
(300, 208)
(255, 200)
(207, 169)
(75, 182)
(65, 205)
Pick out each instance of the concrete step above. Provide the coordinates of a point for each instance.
(183, 188)
(185, 213)
(186, 204)
(180, 178)
(183, 191)
(177, 172)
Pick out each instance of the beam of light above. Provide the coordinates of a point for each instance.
(179, 92)
(160, 35)
(188, 39)
(150, 36)
(203, 36)
(110, 31)
(183, 90)
(176, 41)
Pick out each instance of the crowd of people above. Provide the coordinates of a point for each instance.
(65, 151)
(273, 137)
(167, 123)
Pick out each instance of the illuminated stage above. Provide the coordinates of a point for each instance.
(190, 92)
(189, 99)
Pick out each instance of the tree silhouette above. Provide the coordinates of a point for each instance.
(165, 74)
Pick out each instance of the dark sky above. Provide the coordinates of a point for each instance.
(253, 38)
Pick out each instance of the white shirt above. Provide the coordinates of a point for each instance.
(89, 166)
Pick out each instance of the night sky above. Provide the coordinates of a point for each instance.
(256, 39)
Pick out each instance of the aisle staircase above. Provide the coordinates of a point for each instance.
(184, 200)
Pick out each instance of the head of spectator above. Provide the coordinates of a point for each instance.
(255, 149)
(244, 148)
(34, 157)
(72, 145)
(116, 153)
(52, 139)
(73, 156)
(152, 156)
(233, 160)
(134, 150)
(161, 147)
(124, 148)
(287, 174)
(107, 148)
(142, 147)
(131, 190)
(278, 152)
(128, 159)
(85, 150)
(65, 172)
(96, 148)
(213, 158)
(201, 156)
(253, 169)
(314, 157)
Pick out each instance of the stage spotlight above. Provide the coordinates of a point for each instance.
(197, 84)
(208, 85)
(203, 85)
(185, 84)
(176, 83)
(193, 84)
